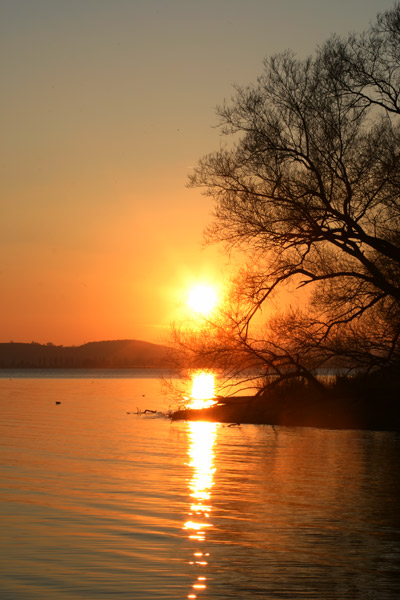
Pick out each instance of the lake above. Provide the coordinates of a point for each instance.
(97, 502)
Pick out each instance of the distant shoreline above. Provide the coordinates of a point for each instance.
(118, 354)
(130, 367)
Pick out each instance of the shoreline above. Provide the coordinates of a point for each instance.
(327, 412)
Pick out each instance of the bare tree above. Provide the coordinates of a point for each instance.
(308, 186)
(366, 66)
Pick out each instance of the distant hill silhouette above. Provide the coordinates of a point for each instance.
(107, 354)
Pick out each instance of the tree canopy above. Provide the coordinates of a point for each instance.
(308, 186)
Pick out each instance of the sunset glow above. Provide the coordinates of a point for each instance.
(99, 234)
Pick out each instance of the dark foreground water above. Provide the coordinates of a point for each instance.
(97, 503)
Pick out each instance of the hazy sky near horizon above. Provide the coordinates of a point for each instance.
(105, 107)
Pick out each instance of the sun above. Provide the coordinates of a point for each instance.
(202, 299)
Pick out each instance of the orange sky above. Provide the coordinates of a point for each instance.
(105, 108)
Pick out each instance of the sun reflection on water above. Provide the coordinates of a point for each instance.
(202, 438)
(203, 390)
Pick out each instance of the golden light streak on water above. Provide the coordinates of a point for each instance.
(203, 390)
(202, 438)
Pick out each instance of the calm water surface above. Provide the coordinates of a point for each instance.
(97, 503)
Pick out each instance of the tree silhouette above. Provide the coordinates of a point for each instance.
(308, 186)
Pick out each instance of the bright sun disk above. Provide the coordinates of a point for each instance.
(202, 299)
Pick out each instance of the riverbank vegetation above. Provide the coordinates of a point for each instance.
(307, 189)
